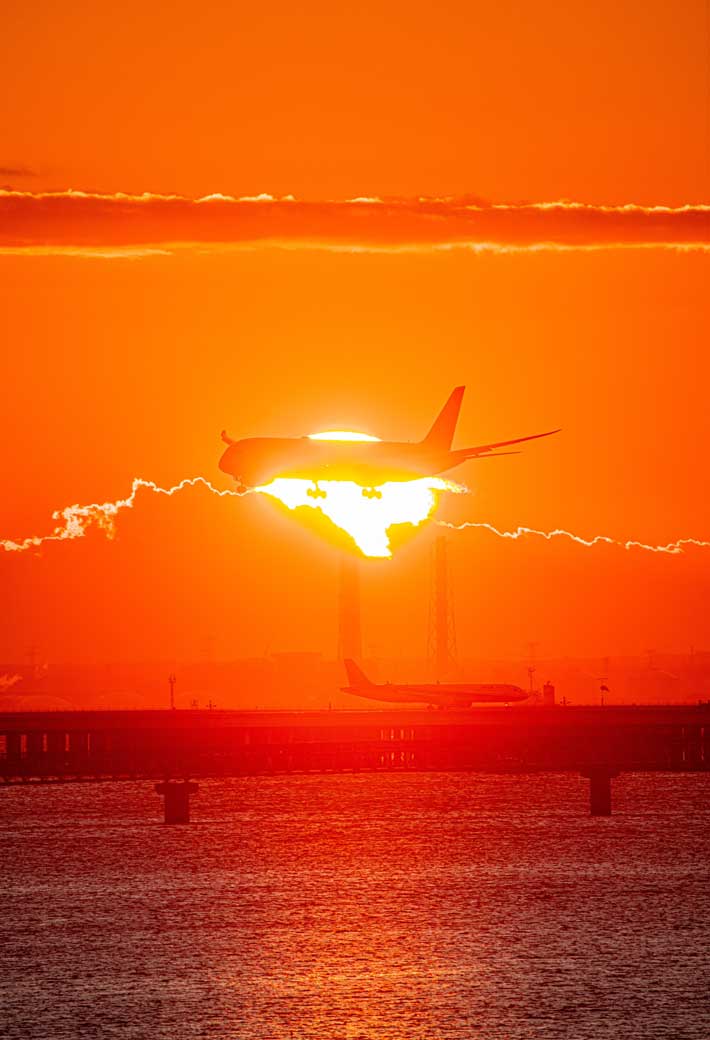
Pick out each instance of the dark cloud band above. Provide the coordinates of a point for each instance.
(86, 221)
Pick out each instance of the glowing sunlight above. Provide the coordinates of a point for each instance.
(366, 519)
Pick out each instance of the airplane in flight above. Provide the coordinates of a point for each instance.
(443, 695)
(364, 460)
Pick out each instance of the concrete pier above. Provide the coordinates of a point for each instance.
(600, 778)
(176, 795)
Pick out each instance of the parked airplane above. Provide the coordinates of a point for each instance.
(444, 695)
(364, 460)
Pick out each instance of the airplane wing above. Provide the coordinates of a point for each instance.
(484, 449)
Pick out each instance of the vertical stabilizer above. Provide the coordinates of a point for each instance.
(442, 432)
(356, 677)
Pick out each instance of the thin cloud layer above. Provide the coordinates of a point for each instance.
(15, 170)
(89, 222)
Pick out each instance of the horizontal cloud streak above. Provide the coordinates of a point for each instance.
(16, 171)
(84, 221)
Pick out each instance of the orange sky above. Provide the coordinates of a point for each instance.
(118, 367)
(605, 103)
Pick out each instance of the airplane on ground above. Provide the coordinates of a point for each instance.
(443, 695)
(364, 460)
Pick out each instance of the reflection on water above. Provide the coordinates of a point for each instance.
(401, 907)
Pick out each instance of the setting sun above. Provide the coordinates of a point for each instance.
(366, 519)
(341, 435)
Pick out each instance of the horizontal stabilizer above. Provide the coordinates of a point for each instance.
(492, 455)
(485, 449)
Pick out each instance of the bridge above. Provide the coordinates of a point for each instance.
(180, 746)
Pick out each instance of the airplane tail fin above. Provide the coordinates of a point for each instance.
(356, 676)
(441, 434)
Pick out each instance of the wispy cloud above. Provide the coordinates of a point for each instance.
(16, 170)
(89, 223)
(77, 520)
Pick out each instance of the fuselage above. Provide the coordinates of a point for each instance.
(449, 695)
(258, 460)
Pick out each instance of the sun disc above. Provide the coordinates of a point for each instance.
(341, 435)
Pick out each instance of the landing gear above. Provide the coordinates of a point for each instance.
(371, 493)
(316, 491)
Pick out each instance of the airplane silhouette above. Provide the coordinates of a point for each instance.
(444, 695)
(368, 462)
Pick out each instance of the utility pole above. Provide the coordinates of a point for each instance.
(532, 648)
(172, 680)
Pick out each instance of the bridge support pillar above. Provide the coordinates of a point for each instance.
(35, 743)
(13, 743)
(176, 796)
(600, 778)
